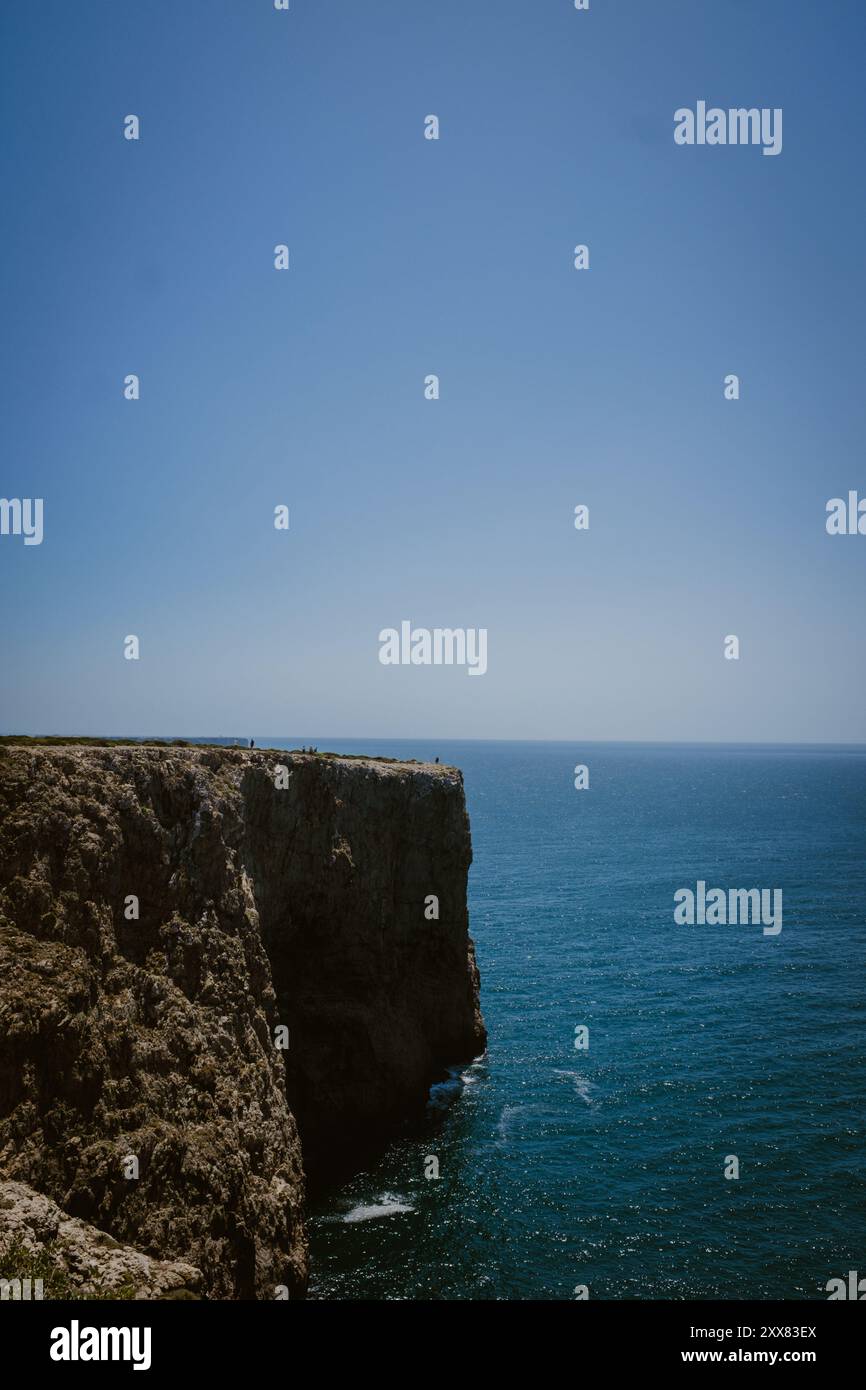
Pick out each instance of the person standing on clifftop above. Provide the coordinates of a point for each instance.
(252, 743)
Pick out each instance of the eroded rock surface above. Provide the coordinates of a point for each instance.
(75, 1260)
(153, 1039)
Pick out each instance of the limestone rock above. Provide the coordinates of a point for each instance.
(140, 1087)
(75, 1260)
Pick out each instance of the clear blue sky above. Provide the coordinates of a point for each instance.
(411, 257)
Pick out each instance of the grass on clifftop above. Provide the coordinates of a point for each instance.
(85, 741)
(42, 740)
(17, 1262)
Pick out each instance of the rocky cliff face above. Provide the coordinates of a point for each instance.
(141, 1087)
(74, 1260)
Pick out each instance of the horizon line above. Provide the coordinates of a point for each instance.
(441, 738)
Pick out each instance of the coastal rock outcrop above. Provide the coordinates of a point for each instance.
(63, 1257)
(163, 912)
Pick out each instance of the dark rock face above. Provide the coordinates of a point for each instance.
(376, 996)
(153, 1039)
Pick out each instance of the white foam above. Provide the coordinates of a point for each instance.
(504, 1127)
(582, 1087)
(444, 1093)
(386, 1205)
(473, 1073)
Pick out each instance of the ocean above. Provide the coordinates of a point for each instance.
(602, 1169)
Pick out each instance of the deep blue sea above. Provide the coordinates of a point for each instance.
(605, 1167)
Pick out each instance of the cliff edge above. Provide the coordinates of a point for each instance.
(166, 914)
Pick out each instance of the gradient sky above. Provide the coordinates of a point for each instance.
(411, 257)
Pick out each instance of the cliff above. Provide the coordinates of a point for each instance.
(142, 1087)
(73, 1260)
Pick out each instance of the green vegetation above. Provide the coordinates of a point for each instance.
(82, 741)
(16, 1262)
(50, 740)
